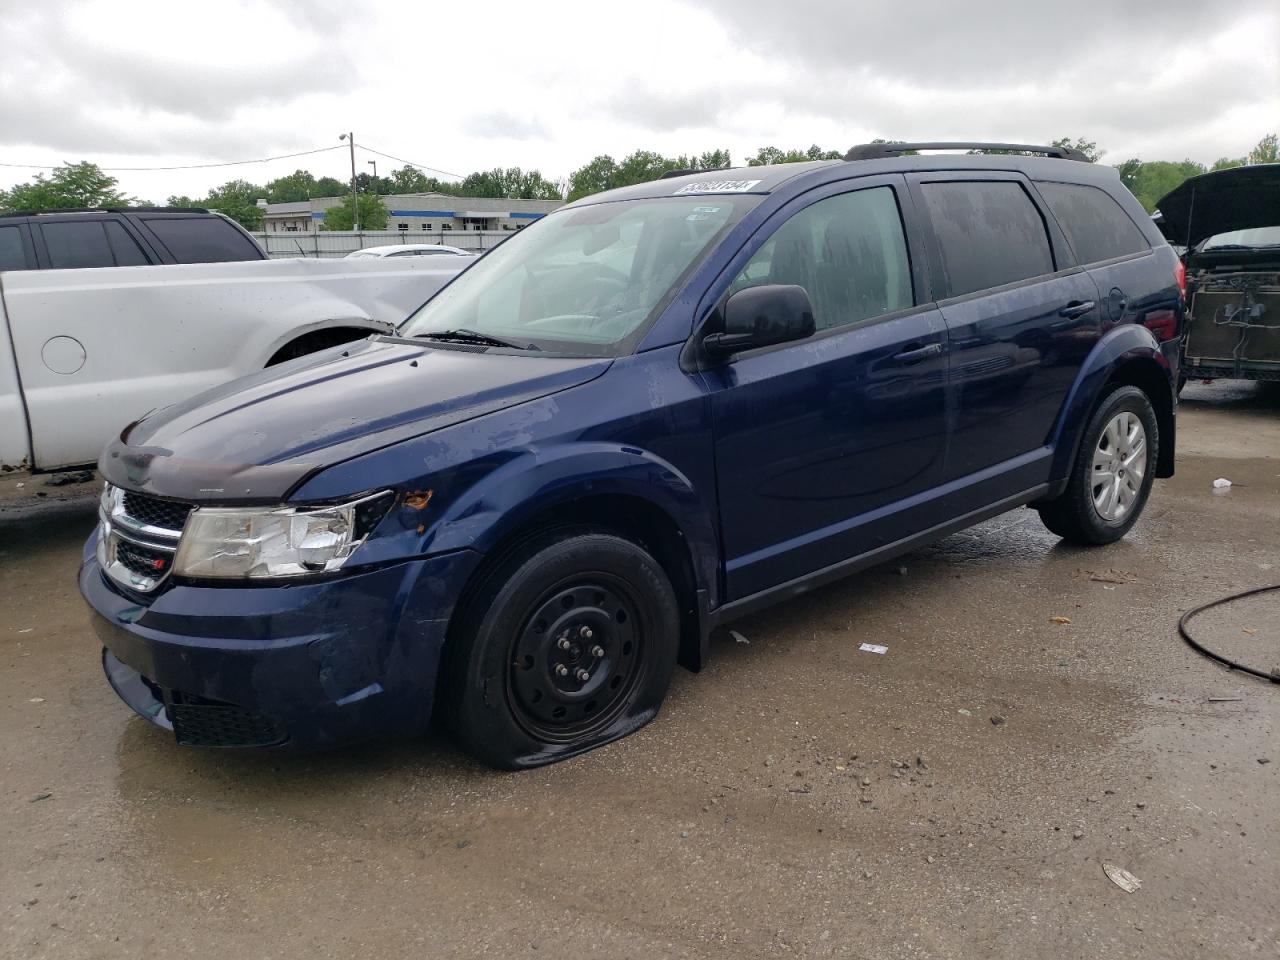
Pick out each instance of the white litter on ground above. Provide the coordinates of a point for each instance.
(1221, 483)
(873, 648)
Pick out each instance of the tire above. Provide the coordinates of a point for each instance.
(1102, 500)
(578, 599)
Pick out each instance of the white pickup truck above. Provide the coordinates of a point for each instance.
(83, 353)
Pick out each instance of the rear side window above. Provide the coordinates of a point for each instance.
(126, 249)
(13, 256)
(74, 244)
(202, 239)
(847, 251)
(989, 233)
(1095, 224)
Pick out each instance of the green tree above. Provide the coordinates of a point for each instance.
(182, 200)
(1087, 147)
(1266, 151)
(330, 187)
(511, 183)
(1152, 179)
(68, 186)
(1226, 163)
(605, 173)
(373, 214)
(294, 188)
(597, 176)
(770, 155)
(238, 199)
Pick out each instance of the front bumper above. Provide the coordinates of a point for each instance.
(303, 664)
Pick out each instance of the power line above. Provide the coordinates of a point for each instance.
(195, 166)
(420, 166)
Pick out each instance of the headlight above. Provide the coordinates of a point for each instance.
(239, 542)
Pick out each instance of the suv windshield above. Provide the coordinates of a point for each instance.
(585, 279)
(1240, 239)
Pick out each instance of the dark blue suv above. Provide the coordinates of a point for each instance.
(655, 410)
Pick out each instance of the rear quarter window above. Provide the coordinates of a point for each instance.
(202, 239)
(1095, 224)
(989, 233)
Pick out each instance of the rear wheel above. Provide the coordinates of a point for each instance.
(1112, 474)
(567, 645)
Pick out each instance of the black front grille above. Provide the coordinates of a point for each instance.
(201, 722)
(156, 512)
(143, 561)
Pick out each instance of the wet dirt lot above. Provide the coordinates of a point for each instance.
(955, 797)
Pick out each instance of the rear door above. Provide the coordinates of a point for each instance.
(1021, 317)
(1134, 285)
(829, 447)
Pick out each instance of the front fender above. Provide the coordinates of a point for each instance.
(541, 479)
(1116, 348)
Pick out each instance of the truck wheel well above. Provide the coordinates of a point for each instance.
(632, 518)
(317, 340)
(1148, 377)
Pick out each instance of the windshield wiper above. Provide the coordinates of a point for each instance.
(471, 336)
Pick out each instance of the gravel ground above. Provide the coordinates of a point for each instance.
(955, 797)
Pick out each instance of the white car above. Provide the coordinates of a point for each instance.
(84, 352)
(410, 250)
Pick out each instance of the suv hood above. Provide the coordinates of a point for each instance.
(255, 439)
(1239, 198)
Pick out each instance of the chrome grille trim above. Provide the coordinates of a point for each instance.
(115, 526)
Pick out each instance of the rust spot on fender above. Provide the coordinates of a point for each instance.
(417, 499)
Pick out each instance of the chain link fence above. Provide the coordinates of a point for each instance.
(338, 243)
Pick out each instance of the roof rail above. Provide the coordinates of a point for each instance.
(41, 213)
(678, 173)
(876, 151)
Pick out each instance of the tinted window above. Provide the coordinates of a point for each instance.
(1095, 224)
(12, 254)
(202, 239)
(847, 251)
(126, 249)
(77, 244)
(989, 234)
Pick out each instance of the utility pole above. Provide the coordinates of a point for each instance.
(355, 200)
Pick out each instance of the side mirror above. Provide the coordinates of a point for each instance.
(762, 316)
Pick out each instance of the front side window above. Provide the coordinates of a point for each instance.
(1096, 225)
(848, 251)
(989, 233)
(585, 279)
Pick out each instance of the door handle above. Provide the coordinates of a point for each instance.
(1076, 308)
(916, 354)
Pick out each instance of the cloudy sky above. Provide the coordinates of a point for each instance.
(459, 86)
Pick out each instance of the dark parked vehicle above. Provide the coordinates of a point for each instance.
(1229, 224)
(654, 410)
(121, 237)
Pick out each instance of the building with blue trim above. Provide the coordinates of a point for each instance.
(417, 213)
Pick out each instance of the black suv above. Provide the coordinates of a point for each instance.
(121, 237)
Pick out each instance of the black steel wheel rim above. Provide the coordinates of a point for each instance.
(576, 658)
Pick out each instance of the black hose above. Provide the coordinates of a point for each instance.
(1273, 676)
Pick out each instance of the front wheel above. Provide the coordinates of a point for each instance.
(1112, 474)
(566, 645)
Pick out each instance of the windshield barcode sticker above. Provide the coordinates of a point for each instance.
(718, 186)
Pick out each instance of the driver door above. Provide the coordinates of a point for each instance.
(829, 447)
